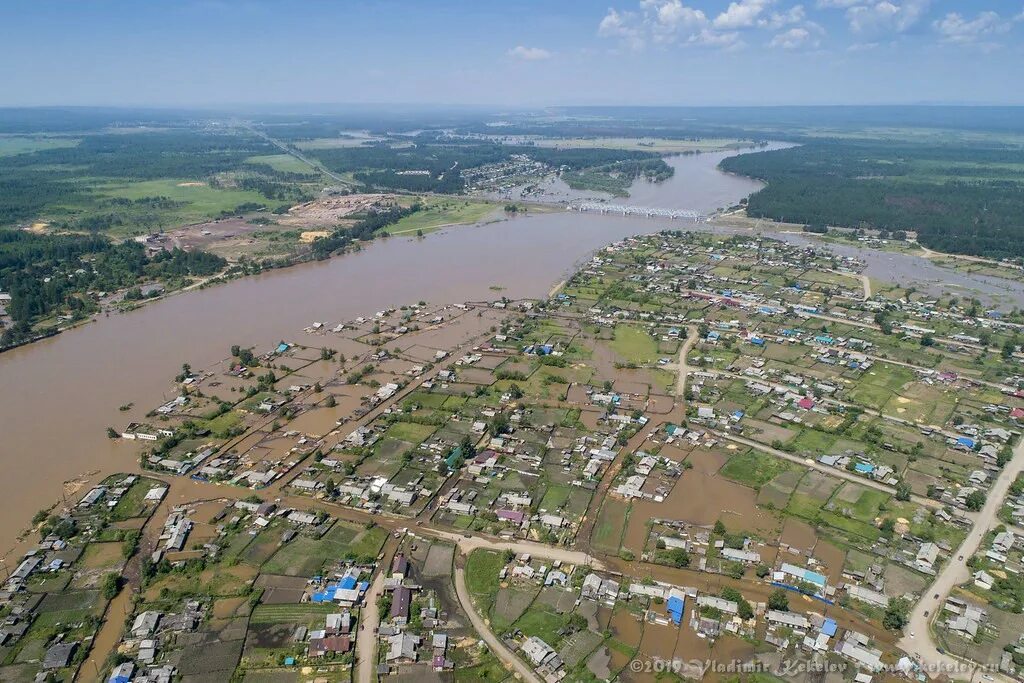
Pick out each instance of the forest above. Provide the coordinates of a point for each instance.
(959, 198)
(58, 274)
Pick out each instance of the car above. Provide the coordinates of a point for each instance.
(936, 596)
(988, 677)
(912, 634)
(960, 558)
(926, 612)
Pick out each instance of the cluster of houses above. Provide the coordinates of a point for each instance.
(412, 631)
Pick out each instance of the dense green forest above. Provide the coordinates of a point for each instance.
(959, 198)
(60, 274)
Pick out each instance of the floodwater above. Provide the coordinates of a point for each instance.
(696, 184)
(59, 395)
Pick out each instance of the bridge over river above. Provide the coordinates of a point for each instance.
(646, 211)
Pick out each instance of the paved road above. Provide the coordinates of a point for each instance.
(956, 571)
(507, 657)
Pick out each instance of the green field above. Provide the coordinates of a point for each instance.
(284, 163)
(482, 569)
(9, 146)
(634, 344)
(754, 468)
(201, 202)
(439, 213)
(410, 432)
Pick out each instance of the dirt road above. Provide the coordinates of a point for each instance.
(369, 619)
(922, 644)
(681, 366)
(507, 657)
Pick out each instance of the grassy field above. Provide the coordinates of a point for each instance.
(285, 163)
(438, 213)
(482, 568)
(754, 468)
(634, 344)
(410, 432)
(200, 201)
(9, 146)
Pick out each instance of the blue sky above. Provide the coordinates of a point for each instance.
(512, 52)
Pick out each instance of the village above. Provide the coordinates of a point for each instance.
(697, 449)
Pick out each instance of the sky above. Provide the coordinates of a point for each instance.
(511, 53)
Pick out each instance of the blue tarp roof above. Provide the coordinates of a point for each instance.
(327, 595)
(829, 627)
(281, 348)
(675, 608)
(348, 583)
(864, 467)
(964, 441)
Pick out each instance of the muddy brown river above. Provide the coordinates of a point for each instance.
(59, 395)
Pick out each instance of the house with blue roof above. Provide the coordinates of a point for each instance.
(675, 606)
(824, 339)
(864, 468)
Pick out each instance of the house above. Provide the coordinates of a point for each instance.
(926, 556)
(790, 619)
(319, 647)
(983, 580)
(721, 604)
(400, 604)
(596, 588)
(676, 605)
(867, 595)
(400, 566)
(402, 647)
(745, 556)
(145, 624)
(537, 651)
(122, 673)
(552, 521)
(59, 655)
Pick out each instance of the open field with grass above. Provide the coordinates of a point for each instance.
(12, 145)
(438, 213)
(285, 163)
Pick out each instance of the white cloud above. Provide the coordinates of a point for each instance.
(954, 28)
(886, 15)
(840, 4)
(793, 39)
(673, 14)
(668, 21)
(529, 54)
(621, 25)
(727, 41)
(777, 20)
(861, 47)
(741, 14)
